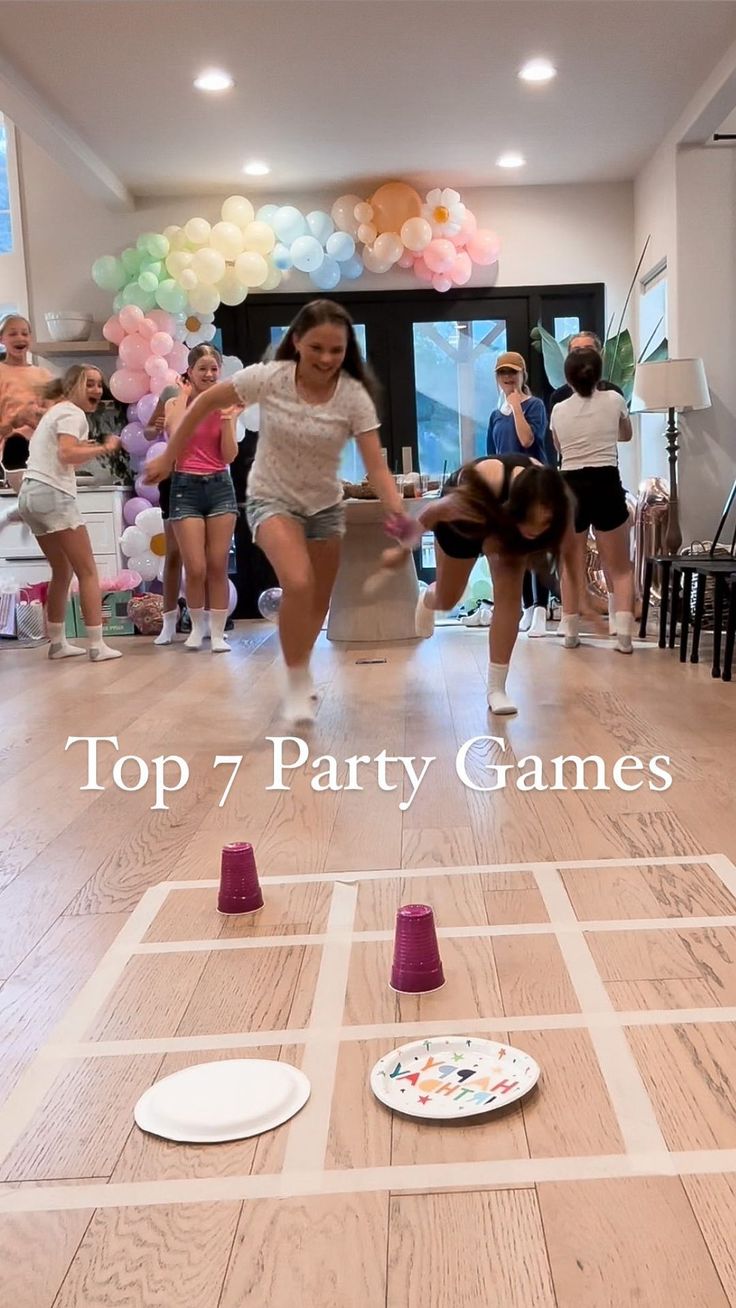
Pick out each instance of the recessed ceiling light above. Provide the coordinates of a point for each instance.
(213, 79)
(256, 168)
(538, 70)
(511, 160)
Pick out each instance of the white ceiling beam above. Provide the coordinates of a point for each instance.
(712, 105)
(25, 107)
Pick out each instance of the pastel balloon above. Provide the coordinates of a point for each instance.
(266, 212)
(188, 280)
(393, 204)
(177, 261)
(132, 508)
(441, 282)
(259, 238)
(148, 281)
(158, 447)
(133, 351)
(483, 247)
(147, 328)
(320, 225)
(176, 236)
(132, 438)
(208, 266)
(289, 224)
(232, 290)
(307, 253)
(343, 214)
(157, 245)
(340, 246)
(145, 564)
(179, 357)
(131, 260)
(134, 295)
(171, 297)
(272, 281)
(205, 299)
(468, 228)
(113, 330)
(421, 270)
(227, 240)
(236, 209)
(128, 385)
(160, 322)
(232, 597)
(373, 263)
(281, 257)
(388, 247)
(462, 269)
(407, 260)
(251, 268)
(363, 212)
(144, 410)
(440, 255)
(197, 231)
(367, 233)
(109, 273)
(352, 269)
(133, 540)
(156, 367)
(130, 317)
(327, 276)
(416, 234)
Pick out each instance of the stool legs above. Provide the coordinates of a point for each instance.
(648, 573)
(720, 586)
(730, 633)
(675, 604)
(699, 610)
(687, 591)
(663, 603)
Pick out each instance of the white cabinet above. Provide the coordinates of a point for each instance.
(21, 558)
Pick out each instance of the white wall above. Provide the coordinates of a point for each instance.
(548, 234)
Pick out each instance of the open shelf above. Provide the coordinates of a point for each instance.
(52, 349)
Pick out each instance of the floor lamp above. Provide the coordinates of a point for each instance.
(673, 386)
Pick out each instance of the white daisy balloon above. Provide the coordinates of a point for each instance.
(200, 328)
(444, 211)
(144, 544)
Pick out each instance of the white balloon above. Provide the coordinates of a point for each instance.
(147, 565)
(236, 209)
(133, 540)
(150, 521)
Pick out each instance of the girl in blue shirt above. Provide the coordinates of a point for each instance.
(519, 426)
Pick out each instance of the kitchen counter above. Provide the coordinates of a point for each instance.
(81, 490)
(101, 507)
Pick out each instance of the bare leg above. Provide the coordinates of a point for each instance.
(76, 545)
(508, 576)
(58, 597)
(302, 598)
(218, 534)
(574, 550)
(171, 587)
(190, 535)
(445, 592)
(614, 547)
(324, 556)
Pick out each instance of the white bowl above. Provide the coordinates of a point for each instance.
(69, 326)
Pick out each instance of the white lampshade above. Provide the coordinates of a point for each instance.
(672, 384)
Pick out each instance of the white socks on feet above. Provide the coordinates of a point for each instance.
(168, 631)
(218, 618)
(526, 619)
(98, 651)
(624, 632)
(424, 616)
(298, 699)
(197, 634)
(498, 700)
(59, 647)
(570, 630)
(538, 622)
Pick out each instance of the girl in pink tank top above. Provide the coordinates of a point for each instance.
(203, 509)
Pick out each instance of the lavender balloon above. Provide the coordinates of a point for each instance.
(145, 408)
(133, 440)
(146, 492)
(154, 450)
(132, 508)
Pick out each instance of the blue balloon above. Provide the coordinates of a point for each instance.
(327, 276)
(340, 246)
(320, 225)
(352, 268)
(281, 257)
(307, 253)
(288, 224)
(267, 213)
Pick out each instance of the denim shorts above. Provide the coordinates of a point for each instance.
(44, 509)
(317, 526)
(205, 495)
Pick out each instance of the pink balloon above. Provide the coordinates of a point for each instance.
(128, 385)
(112, 331)
(439, 254)
(179, 357)
(145, 492)
(156, 367)
(133, 351)
(145, 408)
(484, 247)
(132, 508)
(462, 269)
(163, 321)
(147, 328)
(406, 260)
(130, 317)
(156, 384)
(421, 270)
(440, 282)
(161, 343)
(468, 228)
(172, 377)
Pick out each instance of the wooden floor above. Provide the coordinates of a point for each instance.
(595, 929)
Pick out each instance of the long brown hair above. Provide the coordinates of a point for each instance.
(471, 504)
(72, 386)
(315, 314)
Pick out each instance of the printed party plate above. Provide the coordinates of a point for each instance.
(230, 1100)
(452, 1077)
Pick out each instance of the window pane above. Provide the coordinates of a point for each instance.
(566, 327)
(454, 371)
(652, 331)
(6, 230)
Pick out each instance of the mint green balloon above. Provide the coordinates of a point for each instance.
(171, 297)
(108, 273)
(131, 261)
(154, 266)
(148, 282)
(118, 303)
(142, 242)
(157, 246)
(134, 294)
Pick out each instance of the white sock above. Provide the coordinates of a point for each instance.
(168, 631)
(298, 702)
(611, 615)
(98, 651)
(526, 618)
(59, 646)
(424, 616)
(10, 515)
(538, 626)
(498, 700)
(196, 635)
(207, 620)
(218, 618)
(570, 628)
(624, 632)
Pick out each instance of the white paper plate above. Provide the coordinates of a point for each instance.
(230, 1100)
(452, 1077)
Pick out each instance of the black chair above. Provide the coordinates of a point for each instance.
(730, 628)
(719, 570)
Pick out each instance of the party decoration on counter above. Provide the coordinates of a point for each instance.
(451, 1077)
(186, 272)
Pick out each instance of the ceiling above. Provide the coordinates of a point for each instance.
(332, 93)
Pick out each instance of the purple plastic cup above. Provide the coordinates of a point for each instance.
(240, 890)
(417, 966)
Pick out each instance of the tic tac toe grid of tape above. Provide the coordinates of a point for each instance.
(303, 1171)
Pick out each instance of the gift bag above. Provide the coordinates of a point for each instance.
(29, 620)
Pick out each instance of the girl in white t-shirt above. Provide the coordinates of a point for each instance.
(47, 504)
(587, 428)
(314, 396)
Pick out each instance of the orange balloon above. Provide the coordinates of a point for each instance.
(158, 545)
(394, 203)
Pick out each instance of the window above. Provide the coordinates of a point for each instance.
(454, 378)
(652, 332)
(6, 227)
(565, 328)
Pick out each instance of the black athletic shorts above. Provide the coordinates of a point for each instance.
(600, 501)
